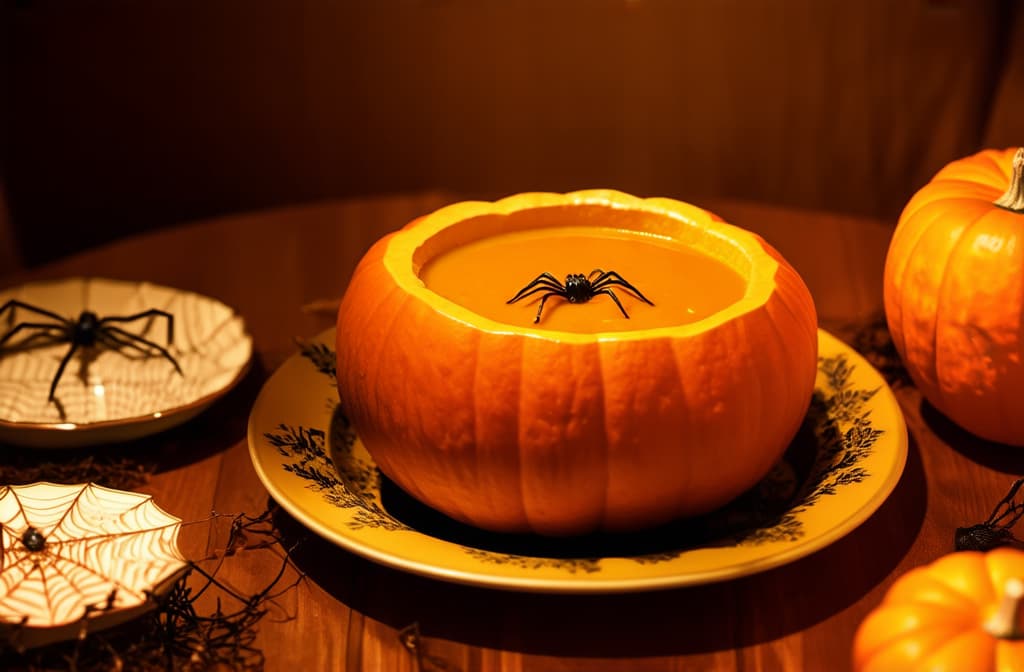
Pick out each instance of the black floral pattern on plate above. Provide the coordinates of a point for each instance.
(826, 456)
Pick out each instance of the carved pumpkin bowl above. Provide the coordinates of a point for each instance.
(659, 371)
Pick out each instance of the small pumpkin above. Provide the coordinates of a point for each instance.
(953, 292)
(526, 428)
(961, 613)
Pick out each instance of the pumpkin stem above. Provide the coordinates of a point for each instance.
(1005, 623)
(1013, 199)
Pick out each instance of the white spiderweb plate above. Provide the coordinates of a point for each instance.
(127, 395)
(106, 551)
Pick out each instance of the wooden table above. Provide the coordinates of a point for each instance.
(348, 612)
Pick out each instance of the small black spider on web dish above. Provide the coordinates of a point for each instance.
(578, 288)
(89, 330)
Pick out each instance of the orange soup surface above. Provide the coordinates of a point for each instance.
(684, 285)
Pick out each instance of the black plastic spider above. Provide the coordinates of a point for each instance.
(998, 529)
(33, 540)
(88, 331)
(578, 288)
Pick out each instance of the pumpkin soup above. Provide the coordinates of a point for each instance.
(684, 285)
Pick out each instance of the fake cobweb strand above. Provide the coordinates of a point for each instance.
(175, 635)
(119, 472)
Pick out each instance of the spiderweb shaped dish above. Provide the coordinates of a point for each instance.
(107, 395)
(106, 552)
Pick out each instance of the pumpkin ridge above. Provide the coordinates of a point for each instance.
(663, 352)
(362, 319)
(451, 450)
(401, 307)
(475, 415)
(868, 647)
(895, 270)
(955, 189)
(794, 290)
(1008, 373)
(783, 356)
(378, 355)
(1001, 163)
(498, 437)
(590, 356)
(759, 415)
(943, 304)
(520, 444)
(964, 565)
(923, 587)
(926, 200)
(686, 392)
(757, 383)
(601, 345)
(929, 230)
(980, 645)
(990, 566)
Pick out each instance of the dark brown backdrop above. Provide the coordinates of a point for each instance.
(125, 115)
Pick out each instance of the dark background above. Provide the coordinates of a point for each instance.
(120, 116)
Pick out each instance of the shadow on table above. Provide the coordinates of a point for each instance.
(218, 428)
(713, 617)
(997, 456)
(129, 464)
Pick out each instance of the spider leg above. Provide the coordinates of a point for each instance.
(545, 280)
(14, 303)
(613, 278)
(538, 288)
(1011, 508)
(146, 313)
(115, 341)
(25, 325)
(127, 339)
(615, 299)
(60, 369)
(543, 300)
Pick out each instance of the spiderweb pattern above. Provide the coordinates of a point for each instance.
(104, 549)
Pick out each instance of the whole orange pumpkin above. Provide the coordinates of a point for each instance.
(523, 427)
(961, 613)
(954, 295)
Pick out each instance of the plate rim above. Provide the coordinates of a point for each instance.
(165, 416)
(574, 584)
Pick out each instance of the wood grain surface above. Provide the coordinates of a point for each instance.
(348, 613)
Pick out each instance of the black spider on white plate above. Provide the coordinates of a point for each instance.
(89, 330)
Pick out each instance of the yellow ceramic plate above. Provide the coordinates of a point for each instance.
(106, 395)
(843, 464)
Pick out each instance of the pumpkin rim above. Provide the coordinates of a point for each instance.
(759, 279)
